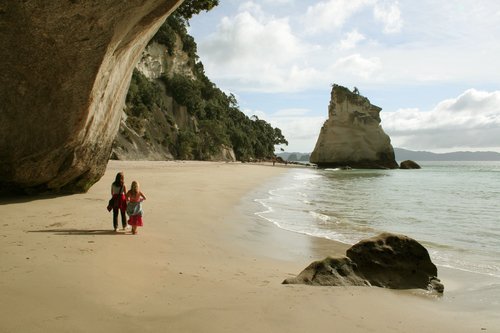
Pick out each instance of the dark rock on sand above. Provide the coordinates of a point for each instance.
(387, 260)
(329, 272)
(409, 164)
(393, 261)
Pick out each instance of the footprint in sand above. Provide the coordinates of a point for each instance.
(57, 224)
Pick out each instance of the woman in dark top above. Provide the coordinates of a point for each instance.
(118, 191)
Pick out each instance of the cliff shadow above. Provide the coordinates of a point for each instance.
(80, 232)
(17, 198)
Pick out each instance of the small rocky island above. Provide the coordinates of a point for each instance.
(352, 135)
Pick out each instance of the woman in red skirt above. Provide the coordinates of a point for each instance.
(134, 206)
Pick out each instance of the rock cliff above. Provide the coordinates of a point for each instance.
(352, 135)
(154, 134)
(66, 67)
(173, 110)
(145, 137)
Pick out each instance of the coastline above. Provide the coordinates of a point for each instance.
(198, 265)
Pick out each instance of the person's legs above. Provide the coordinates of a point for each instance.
(124, 219)
(115, 218)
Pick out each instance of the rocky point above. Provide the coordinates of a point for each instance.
(352, 135)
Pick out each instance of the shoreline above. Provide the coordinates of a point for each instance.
(464, 290)
(199, 264)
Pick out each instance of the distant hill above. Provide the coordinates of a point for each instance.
(295, 157)
(405, 154)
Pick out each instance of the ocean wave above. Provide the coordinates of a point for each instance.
(305, 176)
(321, 217)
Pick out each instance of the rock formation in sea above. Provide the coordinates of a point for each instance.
(409, 164)
(66, 67)
(387, 260)
(352, 135)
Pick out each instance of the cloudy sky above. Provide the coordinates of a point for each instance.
(432, 66)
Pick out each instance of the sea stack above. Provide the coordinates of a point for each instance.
(352, 135)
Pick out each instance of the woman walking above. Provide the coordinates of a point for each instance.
(118, 190)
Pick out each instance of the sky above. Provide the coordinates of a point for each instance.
(432, 66)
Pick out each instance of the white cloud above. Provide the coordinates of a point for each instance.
(332, 14)
(470, 121)
(357, 65)
(277, 2)
(253, 50)
(390, 15)
(362, 43)
(251, 7)
(299, 126)
(248, 37)
(257, 52)
(291, 112)
(350, 40)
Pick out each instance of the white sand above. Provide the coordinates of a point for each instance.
(197, 265)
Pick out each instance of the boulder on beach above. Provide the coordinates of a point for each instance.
(329, 272)
(409, 164)
(393, 261)
(387, 260)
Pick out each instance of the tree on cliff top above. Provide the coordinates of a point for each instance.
(177, 23)
(193, 7)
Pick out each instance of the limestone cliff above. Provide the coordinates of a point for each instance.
(352, 135)
(174, 111)
(157, 60)
(148, 136)
(154, 134)
(66, 67)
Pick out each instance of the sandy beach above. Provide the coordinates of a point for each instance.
(198, 265)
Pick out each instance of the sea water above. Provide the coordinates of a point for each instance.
(452, 208)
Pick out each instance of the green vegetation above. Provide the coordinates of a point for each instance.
(343, 93)
(193, 7)
(218, 117)
(221, 121)
(177, 23)
(142, 95)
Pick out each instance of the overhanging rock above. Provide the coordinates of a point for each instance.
(66, 67)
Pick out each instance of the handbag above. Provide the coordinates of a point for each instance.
(111, 202)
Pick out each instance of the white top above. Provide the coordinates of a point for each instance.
(116, 189)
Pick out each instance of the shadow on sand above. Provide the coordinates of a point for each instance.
(81, 232)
